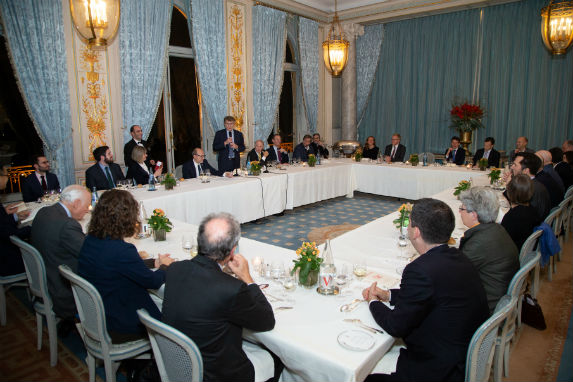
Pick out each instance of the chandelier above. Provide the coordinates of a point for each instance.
(335, 48)
(95, 20)
(557, 26)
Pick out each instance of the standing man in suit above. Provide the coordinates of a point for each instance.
(192, 168)
(39, 182)
(276, 152)
(488, 152)
(520, 147)
(440, 304)
(104, 174)
(303, 149)
(136, 140)
(215, 317)
(395, 152)
(318, 146)
(229, 143)
(258, 153)
(455, 153)
(58, 236)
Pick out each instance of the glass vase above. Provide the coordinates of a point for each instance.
(311, 279)
(159, 235)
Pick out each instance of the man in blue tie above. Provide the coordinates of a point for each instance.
(228, 143)
(104, 174)
(455, 153)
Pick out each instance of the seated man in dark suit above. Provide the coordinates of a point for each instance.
(440, 304)
(455, 153)
(10, 257)
(318, 146)
(520, 147)
(228, 143)
(58, 236)
(395, 152)
(104, 174)
(550, 179)
(303, 149)
(194, 167)
(488, 152)
(40, 181)
(258, 153)
(136, 140)
(562, 168)
(218, 306)
(276, 152)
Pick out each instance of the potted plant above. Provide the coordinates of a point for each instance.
(482, 164)
(462, 186)
(466, 118)
(414, 159)
(255, 168)
(169, 181)
(311, 160)
(402, 222)
(494, 175)
(358, 155)
(160, 224)
(308, 264)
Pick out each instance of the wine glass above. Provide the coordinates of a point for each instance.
(187, 243)
(360, 269)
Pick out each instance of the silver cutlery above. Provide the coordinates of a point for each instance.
(359, 323)
(351, 305)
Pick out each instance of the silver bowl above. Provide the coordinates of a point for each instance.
(346, 148)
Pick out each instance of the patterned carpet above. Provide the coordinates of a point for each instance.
(318, 221)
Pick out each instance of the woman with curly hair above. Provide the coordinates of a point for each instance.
(115, 268)
(370, 149)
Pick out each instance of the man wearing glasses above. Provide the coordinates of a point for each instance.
(395, 151)
(229, 144)
(194, 167)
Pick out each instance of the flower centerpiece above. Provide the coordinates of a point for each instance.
(311, 160)
(414, 159)
(482, 164)
(256, 168)
(160, 224)
(462, 186)
(402, 223)
(169, 181)
(358, 155)
(466, 118)
(494, 175)
(308, 264)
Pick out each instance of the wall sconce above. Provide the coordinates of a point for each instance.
(557, 26)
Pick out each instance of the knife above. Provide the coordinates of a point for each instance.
(359, 323)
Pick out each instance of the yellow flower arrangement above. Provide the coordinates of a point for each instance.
(159, 221)
(307, 261)
(404, 218)
(462, 186)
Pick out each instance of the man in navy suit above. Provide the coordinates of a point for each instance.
(40, 181)
(455, 152)
(192, 168)
(276, 153)
(136, 140)
(440, 303)
(395, 152)
(488, 152)
(104, 174)
(229, 143)
(303, 149)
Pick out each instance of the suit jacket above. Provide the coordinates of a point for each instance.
(565, 171)
(59, 239)
(512, 153)
(122, 279)
(494, 254)
(128, 148)
(95, 177)
(540, 200)
(10, 257)
(273, 156)
(322, 150)
(492, 159)
(440, 304)
(224, 162)
(189, 169)
(556, 193)
(519, 222)
(253, 156)
(135, 171)
(460, 156)
(399, 155)
(370, 153)
(549, 169)
(32, 188)
(214, 313)
(301, 153)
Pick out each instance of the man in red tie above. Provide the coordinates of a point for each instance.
(276, 152)
(40, 181)
(395, 151)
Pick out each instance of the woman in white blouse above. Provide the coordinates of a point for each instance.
(139, 170)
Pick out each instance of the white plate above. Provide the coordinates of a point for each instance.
(356, 340)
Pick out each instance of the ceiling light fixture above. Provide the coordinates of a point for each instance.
(557, 26)
(335, 48)
(95, 20)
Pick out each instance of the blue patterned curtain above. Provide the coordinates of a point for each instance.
(143, 42)
(34, 33)
(367, 56)
(309, 64)
(207, 29)
(425, 63)
(269, 41)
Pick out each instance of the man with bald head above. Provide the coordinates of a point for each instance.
(194, 167)
(258, 153)
(549, 178)
(212, 307)
(58, 236)
(520, 147)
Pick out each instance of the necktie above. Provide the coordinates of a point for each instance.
(393, 151)
(486, 154)
(231, 151)
(197, 170)
(278, 155)
(454, 154)
(44, 184)
(138, 143)
(109, 177)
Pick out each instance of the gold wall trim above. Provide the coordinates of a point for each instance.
(237, 64)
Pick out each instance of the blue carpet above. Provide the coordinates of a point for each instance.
(289, 230)
(566, 366)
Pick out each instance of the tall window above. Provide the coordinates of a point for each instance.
(177, 127)
(285, 123)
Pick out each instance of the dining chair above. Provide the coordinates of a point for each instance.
(567, 206)
(554, 221)
(179, 171)
(176, 355)
(516, 289)
(38, 286)
(93, 329)
(482, 346)
(529, 246)
(7, 282)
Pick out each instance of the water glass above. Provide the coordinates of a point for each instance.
(342, 275)
(187, 243)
